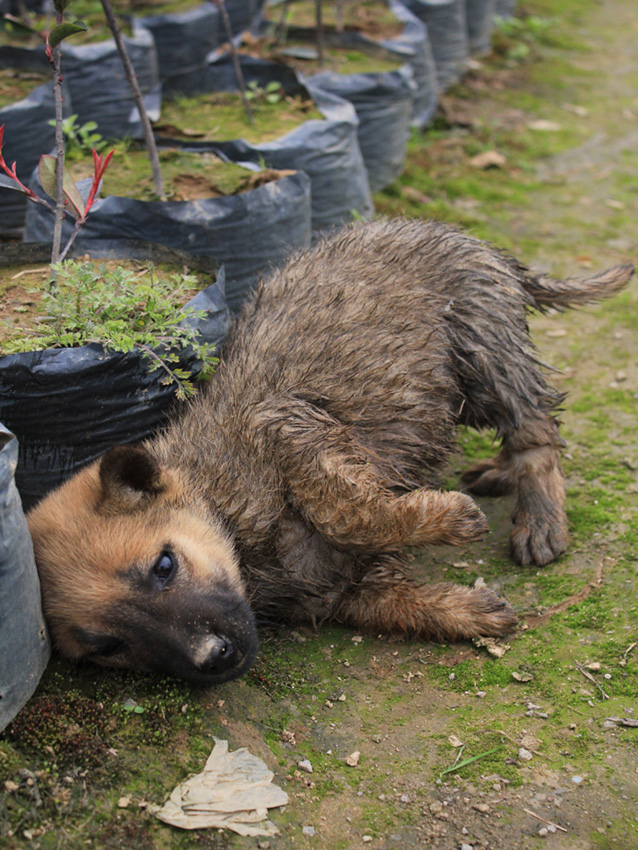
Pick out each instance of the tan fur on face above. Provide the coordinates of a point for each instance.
(83, 544)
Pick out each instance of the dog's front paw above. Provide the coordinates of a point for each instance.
(538, 539)
(455, 519)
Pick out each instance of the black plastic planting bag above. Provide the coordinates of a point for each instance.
(480, 25)
(506, 8)
(27, 135)
(183, 41)
(99, 89)
(326, 150)
(24, 643)
(447, 29)
(416, 40)
(383, 103)
(68, 406)
(242, 14)
(249, 233)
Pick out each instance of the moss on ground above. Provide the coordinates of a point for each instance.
(566, 199)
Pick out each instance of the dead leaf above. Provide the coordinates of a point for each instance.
(494, 648)
(488, 159)
(543, 125)
(623, 721)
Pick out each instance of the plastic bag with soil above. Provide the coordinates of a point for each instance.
(67, 406)
(250, 233)
(242, 14)
(506, 8)
(99, 88)
(383, 101)
(326, 150)
(447, 28)
(23, 635)
(421, 59)
(183, 41)
(480, 25)
(27, 133)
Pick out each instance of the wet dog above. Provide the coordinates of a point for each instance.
(291, 485)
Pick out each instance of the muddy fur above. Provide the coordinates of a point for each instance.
(311, 461)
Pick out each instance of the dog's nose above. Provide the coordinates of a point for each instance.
(215, 654)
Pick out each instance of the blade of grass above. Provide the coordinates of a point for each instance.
(458, 765)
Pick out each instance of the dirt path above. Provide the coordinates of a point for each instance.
(548, 765)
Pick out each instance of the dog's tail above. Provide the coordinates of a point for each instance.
(549, 292)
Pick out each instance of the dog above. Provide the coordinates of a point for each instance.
(291, 485)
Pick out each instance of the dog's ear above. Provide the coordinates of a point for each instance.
(129, 477)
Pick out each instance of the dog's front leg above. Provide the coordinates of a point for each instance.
(336, 487)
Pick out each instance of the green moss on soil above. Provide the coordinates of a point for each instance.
(220, 116)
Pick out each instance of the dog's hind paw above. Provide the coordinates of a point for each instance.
(494, 616)
(538, 540)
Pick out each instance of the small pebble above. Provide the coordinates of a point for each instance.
(577, 779)
(543, 831)
(481, 807)
(367, 838)
(481, 694)
(309, 830)
(353, 759)
(123, 803)
(305, 764)
(405, 798)
(436, 807)
(524, 754)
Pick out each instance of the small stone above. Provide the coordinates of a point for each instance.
(342, 698)
(436, 807)
(305, 764)
(524, 754)
(593, 665)
(405, 798)
(466, 847)
(543, 831)
(481, 807)
(124, 802)
(353, 759)
(367, 838)
(481, 694)
(356, 638)
(455, 741)
(309, 830)
(577, 780)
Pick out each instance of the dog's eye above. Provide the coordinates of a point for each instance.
(165, 568)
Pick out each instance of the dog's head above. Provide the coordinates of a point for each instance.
(135, 573)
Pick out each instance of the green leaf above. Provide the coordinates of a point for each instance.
(46, 172)
(62, 31)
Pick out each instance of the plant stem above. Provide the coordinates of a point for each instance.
(59, 155)
(233, 52)
(319, 25)
(129, 71)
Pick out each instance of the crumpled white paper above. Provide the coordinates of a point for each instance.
(234, 792)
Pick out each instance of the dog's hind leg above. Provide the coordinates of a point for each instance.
(503, 387)
(386, 601)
